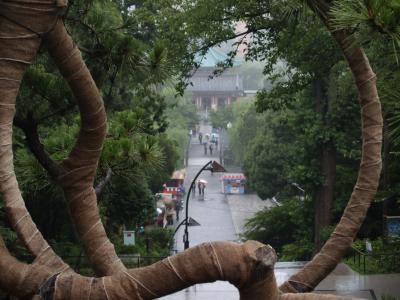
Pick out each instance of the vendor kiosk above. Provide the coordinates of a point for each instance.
(233, 183)
(173, 184)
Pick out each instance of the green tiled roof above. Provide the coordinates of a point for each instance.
(213, 57)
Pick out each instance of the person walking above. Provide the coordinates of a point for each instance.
(178, 208)
(203, 186)
(199, 186)
(211, 149)
(200, 138)
(193, 187)
(205, 148)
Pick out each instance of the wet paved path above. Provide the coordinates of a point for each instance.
(214, 215)
(211, 211)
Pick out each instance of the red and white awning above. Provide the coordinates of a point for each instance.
(233, 176)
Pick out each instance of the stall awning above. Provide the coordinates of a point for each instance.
(233, 176)
(179, 174)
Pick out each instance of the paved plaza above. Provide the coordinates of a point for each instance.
(222, 217)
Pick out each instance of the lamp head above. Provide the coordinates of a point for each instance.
(216, 167)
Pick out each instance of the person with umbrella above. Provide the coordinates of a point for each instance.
(201, 185)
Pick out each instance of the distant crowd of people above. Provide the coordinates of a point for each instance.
(209, 143)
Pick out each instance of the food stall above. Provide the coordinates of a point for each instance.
(233, 183)
(173, 184)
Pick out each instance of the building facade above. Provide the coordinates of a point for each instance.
(213, 93)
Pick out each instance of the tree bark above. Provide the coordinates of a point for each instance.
(81, 164)
(325, 193)
(250, 267)
(327, 159)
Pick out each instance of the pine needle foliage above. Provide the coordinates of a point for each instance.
(368, 20)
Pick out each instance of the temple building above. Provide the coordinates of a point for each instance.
(209, 94)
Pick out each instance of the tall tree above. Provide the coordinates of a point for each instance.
(310, 61)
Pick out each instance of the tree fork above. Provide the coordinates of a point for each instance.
(29, 126)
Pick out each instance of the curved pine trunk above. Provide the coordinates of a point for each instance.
(250, 267)
(368, 177)
(18, 47)
(79, 169)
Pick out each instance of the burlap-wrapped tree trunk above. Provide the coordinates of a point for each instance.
(17, 49)
(79, 169)
(23, 25)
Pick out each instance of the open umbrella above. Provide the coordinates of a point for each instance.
(203, 181)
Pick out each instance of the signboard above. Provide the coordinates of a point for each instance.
(129, 237)
(233, 183)
(393, 227)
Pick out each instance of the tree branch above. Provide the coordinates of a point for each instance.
(29, 126)
(61, 111)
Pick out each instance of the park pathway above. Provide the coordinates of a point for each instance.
(214, 213)
(211, 211)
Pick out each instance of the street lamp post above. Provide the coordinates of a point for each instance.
(212, 166)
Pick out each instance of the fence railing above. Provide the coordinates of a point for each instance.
(364, 261)
(367, 261)
(359, 257)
